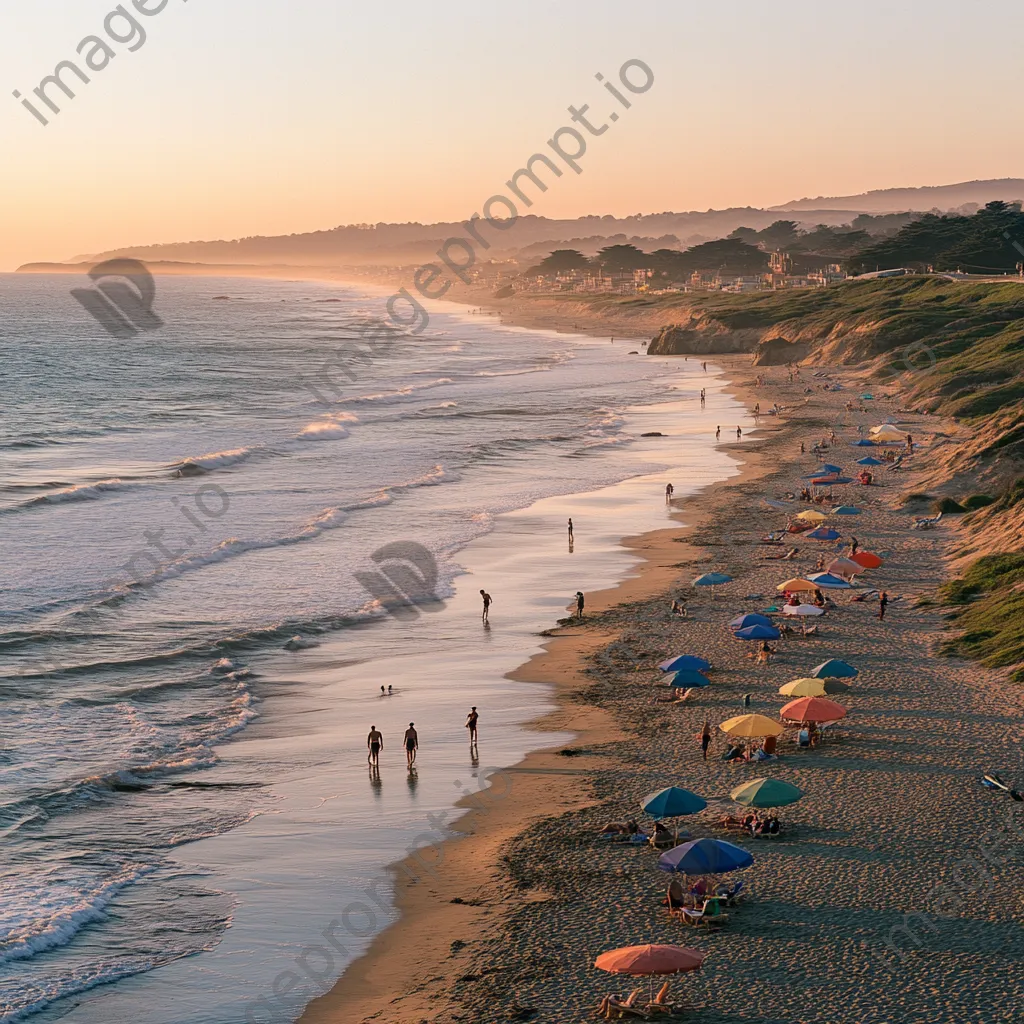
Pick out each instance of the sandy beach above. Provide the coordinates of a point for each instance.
(894, 831)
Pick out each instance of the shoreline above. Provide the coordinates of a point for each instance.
(412, 954)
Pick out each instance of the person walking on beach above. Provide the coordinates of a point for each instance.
(854, 544)
(705, 738)
(669, 490)
(487, 606)
(375, 744)
(739, 433)
(570, 531)
(579, 604)
(883, 603)
(412, 743)
(471, 720)
(704, 367)
(718, 433)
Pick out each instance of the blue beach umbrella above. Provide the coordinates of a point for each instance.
(689, 677)
(705, 857)
(863, 443)
(847, 510)
(833, 669)
(672, 803)
(870, 460)
(758, 633)
(682, 661)
(750, 619)
(712, 579)
(826, 581)
(823, 533)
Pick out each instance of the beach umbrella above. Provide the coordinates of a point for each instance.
(796, 586)
(649, 961)
(757, 633)
(689, 677)
(750, 619)
(802, 609)
(766, 793)
(844, 567)
(672, 803)
(835, 669)
(866, 559)
(750, 727)
(803, 688)
(712, 579)
(812, 515)
(812, 709)
(847, 510)
(870, 460)
(823, 533)
(826, 581)
(863, 443)
(825, 470)
(681, 661)
(641, 961)
(705, 857)
(887, 432)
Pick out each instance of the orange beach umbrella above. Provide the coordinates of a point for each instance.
(796, 585)
(641, 961)
(813, 709)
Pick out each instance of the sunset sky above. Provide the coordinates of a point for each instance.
(242, 117)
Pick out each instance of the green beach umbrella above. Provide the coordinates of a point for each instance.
(766, 793)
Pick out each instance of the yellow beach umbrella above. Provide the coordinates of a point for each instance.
(812, 515)
(803, 688)
(797, 586)
(750, 726)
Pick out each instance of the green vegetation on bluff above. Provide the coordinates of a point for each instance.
(991, 593)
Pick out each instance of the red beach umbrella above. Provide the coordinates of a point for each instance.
(867, 559)
(813, 709)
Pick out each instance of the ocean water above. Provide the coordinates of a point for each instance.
(185, 805)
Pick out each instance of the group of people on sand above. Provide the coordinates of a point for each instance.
(752, 822)
(411, 740)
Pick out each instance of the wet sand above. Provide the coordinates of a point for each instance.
(508, 921)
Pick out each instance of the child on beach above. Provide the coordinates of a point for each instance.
(487, 605)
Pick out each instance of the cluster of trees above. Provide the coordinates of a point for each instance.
(727, 254)
(981, 244)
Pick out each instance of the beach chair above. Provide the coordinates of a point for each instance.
(730, 895)
(674, 899)
(708, 916)
(660, 1004)
(613, 1007)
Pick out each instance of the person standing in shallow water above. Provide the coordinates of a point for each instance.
(375, 744)
(579, 604)
(739, 433)
(570, 531)
(412, 744)
(471, 723)
(487, 606)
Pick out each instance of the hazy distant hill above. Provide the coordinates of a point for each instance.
(896, 200)
(403, 244)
